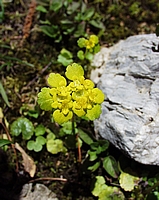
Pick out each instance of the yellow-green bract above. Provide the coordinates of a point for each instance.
(78, 97)
(88, 43)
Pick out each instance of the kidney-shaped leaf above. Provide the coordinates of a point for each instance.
(22, 126)
(127, 181)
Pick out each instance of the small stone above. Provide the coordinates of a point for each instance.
(39, 191)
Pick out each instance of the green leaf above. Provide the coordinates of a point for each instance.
(80, 55)
(89, 56)
(80, 30)
(92, 155)
(30, 145)
(111, 167)
(51, 31)
(39, 130)
(56, 5)
(85, 137)
(36, 145)
(22, 126)
(97, 24)
(55, 146)
(105, 192)
(67, 129)
(73, 7)
(4, 95)
(96, 49)
(94, 167)
(99, 146)
(65, 57)
(88, 14)
(127, 181)
(99, 186)
(41, 140)
(41, 9)
(4, 142)
(50, 135)
(2, 11)
(45, 99)
(33, 113)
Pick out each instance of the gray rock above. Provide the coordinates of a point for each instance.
(130, 81)
(37, 192)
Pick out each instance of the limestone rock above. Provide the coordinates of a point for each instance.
(130, 81)
(37, 192)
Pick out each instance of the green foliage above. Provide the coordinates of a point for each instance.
(127, 181)
(95, 151)
(22, 126)
(30, 110)
(85, 137)
(111, 166)
(37, 137)
(91, 46)
(39, 130)
(68, 18)
(36, 145)
(54, 145)
(66, 129)
(4, 95)
(65, 57)
(1, 11)
(103, 192)
(4, 142)
(135, 8)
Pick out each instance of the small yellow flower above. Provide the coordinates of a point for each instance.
(79, 106)
(88, 84)
(94, 39)
(89, 44)
(60, 118)
(96, 96)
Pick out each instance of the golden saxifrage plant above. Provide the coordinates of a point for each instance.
(78, 97)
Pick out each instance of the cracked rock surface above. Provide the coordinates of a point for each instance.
(128, 74)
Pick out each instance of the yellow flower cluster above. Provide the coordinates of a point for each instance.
(79, 96)
(88, 43)
(93, 40)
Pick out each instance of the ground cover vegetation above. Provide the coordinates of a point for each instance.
(47, 109)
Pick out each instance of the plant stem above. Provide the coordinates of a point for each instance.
(150, 189)
(78, 157)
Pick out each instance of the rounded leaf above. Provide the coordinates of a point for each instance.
(74, 71)
(22, 126)
(39, 130)
(55, 146)
(127, 181)
(45, 99)
(30, 145)
(56, 80)
(40, 140)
